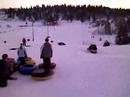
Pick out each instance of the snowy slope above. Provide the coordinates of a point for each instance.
(78, 72)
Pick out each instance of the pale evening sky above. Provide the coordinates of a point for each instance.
(28, 3)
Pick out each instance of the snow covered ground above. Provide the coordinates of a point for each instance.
(78, 72)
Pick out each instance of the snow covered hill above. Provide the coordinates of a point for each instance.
(78, 72)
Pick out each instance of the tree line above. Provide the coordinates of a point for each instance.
(65, 12)
(82, 13)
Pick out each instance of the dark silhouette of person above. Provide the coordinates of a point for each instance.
(24, 41)
(3, 71)
(46, 54)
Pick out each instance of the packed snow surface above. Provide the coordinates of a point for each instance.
(78, 72)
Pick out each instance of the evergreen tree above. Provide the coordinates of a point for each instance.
(122, 35)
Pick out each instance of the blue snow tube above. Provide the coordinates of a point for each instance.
(27, 70)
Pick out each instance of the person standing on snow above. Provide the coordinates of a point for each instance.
(24, 41)
(22, 54)
(46, 54)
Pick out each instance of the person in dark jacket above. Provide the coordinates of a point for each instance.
(24, 41)
(3, 71)
(106, 43)
(46, 54)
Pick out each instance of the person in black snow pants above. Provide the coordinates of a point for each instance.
(46, 54)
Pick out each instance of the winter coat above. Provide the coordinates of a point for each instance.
(3, 68)
(22, 52)
(46, 50)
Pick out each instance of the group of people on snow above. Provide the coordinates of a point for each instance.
(5, 66)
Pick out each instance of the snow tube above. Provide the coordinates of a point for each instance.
(52, 65)
(40, 75)
(27, 70)
(93, 51)
(61, 43)
(12, 66)
(29, 61)
(92, 48)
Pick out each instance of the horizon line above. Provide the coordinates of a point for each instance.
(63, 4)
